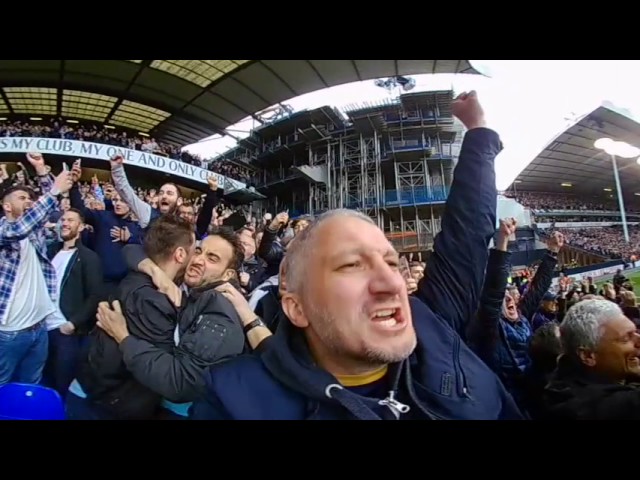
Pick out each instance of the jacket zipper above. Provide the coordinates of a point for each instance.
(461, 378)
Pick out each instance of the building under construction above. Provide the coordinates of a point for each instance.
(391, 160)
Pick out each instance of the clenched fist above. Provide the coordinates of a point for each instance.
(281, 219)
(213, 182)
(468, 110)
(556, 242)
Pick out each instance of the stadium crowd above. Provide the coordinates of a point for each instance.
(165, 313)
(57, 128)
(605, 241)
(543, 201)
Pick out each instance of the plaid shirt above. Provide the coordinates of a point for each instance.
(29, 225)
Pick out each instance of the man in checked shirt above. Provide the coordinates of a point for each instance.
(28, 295)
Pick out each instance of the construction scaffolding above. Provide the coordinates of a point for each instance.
(392, 160)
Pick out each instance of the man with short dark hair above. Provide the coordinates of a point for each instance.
(210, 329)
(105, 389)
(169, 199)
(79, 275)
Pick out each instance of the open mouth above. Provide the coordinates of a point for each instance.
(389, 319)
(634, 362)
(194, 272)
(511, 309)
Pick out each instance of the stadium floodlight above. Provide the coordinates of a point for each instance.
(618, 149)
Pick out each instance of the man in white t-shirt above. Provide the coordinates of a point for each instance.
(28, 292)
(80, 287)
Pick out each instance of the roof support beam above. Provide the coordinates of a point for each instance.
(60, 83)
(121, 98)
(6, 101)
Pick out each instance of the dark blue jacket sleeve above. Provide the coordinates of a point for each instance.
(208, 407)
(540, 284)
(483, 334)
(455, 270)
(206, 213)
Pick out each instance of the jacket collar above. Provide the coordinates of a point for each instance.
(59, 246)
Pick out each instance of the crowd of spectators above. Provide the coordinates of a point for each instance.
(605, 241)
(540, 201)
(57, 128)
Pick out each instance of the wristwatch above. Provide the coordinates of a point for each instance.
(255, 323)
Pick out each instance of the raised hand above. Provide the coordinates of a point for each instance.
(281, 219)
(37, 160)
(62, 183)
(116, 160)
(508, 227)
(556, 242)
(468, 110)
(76, 170)
(213, 182)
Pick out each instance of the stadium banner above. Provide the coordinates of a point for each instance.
(99, 151)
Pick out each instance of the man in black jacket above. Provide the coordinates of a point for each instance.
(210, 330)
(597, 374)
(251, 271)
(79, 276)
(105, 388)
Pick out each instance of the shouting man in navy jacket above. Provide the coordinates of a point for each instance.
(356, 345)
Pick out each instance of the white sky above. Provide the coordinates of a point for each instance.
(528, 102)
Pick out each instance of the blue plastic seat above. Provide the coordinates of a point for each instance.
(20, 401)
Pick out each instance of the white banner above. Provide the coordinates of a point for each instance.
(99, 151)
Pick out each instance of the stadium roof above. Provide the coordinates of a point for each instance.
(182, 101)
(572, 159)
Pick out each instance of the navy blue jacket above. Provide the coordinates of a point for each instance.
(441, 379)
(102, 221)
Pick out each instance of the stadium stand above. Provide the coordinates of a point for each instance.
(570, 187)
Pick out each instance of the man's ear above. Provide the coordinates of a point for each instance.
(587, 357)
(228, 274)
(179, 202)
(293, 310)
(180, 255)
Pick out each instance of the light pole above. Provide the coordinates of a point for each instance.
(624, 150)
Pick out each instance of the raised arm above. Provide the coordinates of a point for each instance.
(210, 202)
(269, 250)
(542, 279)
(141, 209)
(35, 217)
(483, 333)
(455, 270)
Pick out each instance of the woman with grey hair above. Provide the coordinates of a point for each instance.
(598, 370)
